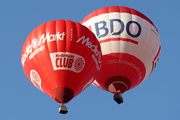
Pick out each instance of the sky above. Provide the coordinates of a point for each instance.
(157, 98)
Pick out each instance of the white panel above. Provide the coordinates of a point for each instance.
(115, 46)
(106, 48)
(104, 17)
(148, 41)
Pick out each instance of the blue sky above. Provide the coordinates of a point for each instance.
(157, 98)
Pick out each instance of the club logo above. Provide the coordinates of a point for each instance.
(67, 61)
(35, 79)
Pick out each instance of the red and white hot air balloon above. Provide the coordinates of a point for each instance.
(130, 47)
(61, 58)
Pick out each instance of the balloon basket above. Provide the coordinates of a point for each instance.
(118, 98)
(63, 109)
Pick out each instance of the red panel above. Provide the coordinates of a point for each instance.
(121, 71)
(61, 58)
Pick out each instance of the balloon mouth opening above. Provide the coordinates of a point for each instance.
(117, 84)
(62, 94)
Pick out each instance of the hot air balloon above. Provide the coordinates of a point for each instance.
(61, 58)
(130, 47)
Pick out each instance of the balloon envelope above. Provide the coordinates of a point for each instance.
(60, 58)
(130, 46)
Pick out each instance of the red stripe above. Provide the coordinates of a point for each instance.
(90, 28)
(119, 39)
(158, 53)
(153, 62)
